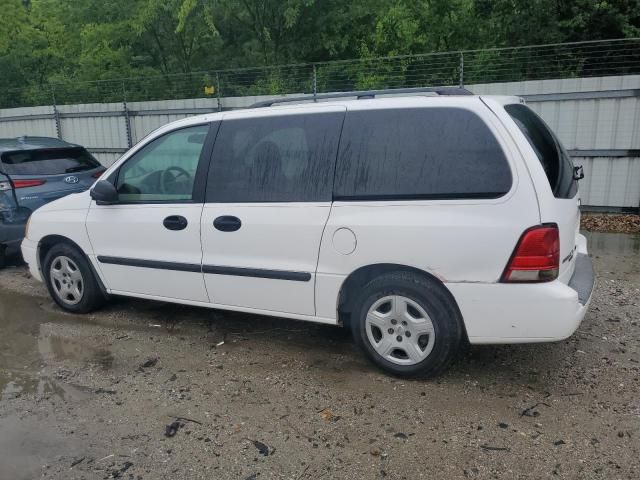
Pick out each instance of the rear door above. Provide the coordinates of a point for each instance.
(560, 202)
(148, 244)
(43, 175)
(268, 200)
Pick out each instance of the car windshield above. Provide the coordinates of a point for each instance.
(48, 162)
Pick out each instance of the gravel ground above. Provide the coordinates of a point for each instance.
(96, 396)
(611, 223)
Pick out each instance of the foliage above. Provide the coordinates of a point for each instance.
(68, 44)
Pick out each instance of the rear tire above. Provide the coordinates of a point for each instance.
(407, 324)
(70, 280)
(3, 256)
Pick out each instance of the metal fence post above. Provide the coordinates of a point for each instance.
(218, 92)
(127, 120)
(461, 70)
(315, 82)
(56, 114)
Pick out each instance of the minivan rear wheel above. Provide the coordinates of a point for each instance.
(407, 324)
(70, 280)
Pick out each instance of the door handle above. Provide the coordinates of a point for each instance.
(175, 222)
(227, 223)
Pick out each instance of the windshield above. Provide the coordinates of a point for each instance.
(48, 162)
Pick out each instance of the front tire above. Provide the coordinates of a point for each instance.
(407, 324)
(70, 280)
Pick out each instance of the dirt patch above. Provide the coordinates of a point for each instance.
(158, 391)
(610, 223)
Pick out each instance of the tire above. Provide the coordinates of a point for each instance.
(70, 279)
(407, 324)
(3, 256)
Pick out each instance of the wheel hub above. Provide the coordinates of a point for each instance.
(66, 280)
(400, 330)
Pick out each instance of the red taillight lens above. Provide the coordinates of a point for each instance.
(98, 174)
(536, 257)
(27, 183)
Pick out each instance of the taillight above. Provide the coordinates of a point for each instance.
(27, 183)
(536, 257)
(98, 174)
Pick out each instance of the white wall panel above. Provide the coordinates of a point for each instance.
(586, 124)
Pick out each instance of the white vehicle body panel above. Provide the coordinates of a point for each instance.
(137, 232)
(279, 237)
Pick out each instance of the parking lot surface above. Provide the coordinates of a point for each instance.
(152, 390)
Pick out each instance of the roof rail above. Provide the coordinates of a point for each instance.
(364, 94)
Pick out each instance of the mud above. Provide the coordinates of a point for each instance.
(256, 397)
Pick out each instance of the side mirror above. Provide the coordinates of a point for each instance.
(104, 193)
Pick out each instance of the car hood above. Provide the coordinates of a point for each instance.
(73, 201)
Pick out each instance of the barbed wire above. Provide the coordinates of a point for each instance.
(465, 67)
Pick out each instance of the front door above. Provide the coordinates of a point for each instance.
(268, 200)
(148, 244)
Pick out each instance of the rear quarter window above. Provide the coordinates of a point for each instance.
(555, 160)
(419, 153)
(48, 162)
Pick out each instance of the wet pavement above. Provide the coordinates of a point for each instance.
(254, 397)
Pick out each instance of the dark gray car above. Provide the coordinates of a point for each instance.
(35, 171)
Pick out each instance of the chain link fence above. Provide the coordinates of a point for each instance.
(538, 62)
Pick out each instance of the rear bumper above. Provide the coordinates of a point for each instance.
(11, 234)
(30, 256)
(526, 313)
(583, 279)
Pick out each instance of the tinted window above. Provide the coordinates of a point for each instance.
(287, 158)
(554, 159)
(164, 169)
(48, 162)
(419, 153)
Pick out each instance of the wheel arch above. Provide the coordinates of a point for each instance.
(362, 275)
(48, 241)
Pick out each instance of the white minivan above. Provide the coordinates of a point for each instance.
(417, 221)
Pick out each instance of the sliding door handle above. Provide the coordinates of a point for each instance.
(227, 223)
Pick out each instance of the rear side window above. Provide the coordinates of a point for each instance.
(427, 153)
(289, 158)
(48, 162)
(552, 156)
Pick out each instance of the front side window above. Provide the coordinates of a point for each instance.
(552, 156)
(288, 158)
(419, 153)
(164, 169)
(55, 161)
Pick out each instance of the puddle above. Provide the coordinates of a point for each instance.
(615, 254)
(28, 444)
(28, 343)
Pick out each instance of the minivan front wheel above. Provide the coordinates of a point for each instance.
(407, 324)
(70, 280)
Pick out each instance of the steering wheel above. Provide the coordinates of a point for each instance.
(168, 177)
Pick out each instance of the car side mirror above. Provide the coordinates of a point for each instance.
(104, 193)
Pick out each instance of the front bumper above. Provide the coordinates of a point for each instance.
(526, 313)
(30, 255)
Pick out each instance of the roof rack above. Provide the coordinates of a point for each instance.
(364, 94)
